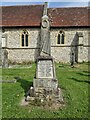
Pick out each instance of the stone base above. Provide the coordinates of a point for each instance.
(44, 102)
(47, 89)
(45, 98)
(45, 94)
(45, 85)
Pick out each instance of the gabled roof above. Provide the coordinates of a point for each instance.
(30, 15)
(63, 17)
(22, 15)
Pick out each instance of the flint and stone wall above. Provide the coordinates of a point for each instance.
(17, 53)
(61, 53)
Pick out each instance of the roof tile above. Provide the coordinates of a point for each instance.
(30, 15)
(62, 17)
(22, 15)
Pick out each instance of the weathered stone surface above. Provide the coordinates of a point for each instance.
(45, 86)
(61, 53)
(47, 83)
(45, 69)
(17, 53)
(45, 46)
(4, 58)
(21, 55)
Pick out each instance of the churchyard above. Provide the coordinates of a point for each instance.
(73, 82)
(45, 89)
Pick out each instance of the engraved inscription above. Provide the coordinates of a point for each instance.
(45, 69)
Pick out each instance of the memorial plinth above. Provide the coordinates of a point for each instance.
(45, 85)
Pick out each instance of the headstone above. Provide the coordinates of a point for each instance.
(4, 58)
(45, 84)
(4, 51)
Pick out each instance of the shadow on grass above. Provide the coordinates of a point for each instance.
(88, 74)
(86, 81)
(24, 84)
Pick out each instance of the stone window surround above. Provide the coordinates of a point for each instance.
(60, 37)
(26, 33)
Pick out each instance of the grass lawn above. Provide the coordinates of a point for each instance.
(73, 82)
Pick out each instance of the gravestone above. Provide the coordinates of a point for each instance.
(4, 51)
(4, 58)
(45, 84)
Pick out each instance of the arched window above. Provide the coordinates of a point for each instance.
(24, 39)
(60, 38)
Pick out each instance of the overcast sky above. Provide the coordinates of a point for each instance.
(51, 3)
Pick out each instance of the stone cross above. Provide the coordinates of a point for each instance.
(45, 47)
(45, 85)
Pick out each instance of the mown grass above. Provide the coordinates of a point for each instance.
(73, 82)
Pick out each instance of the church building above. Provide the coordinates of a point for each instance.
(20, 28)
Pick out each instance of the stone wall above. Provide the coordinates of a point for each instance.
(22, 55)
(14, 37)
(17, 53)
(61, 53)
